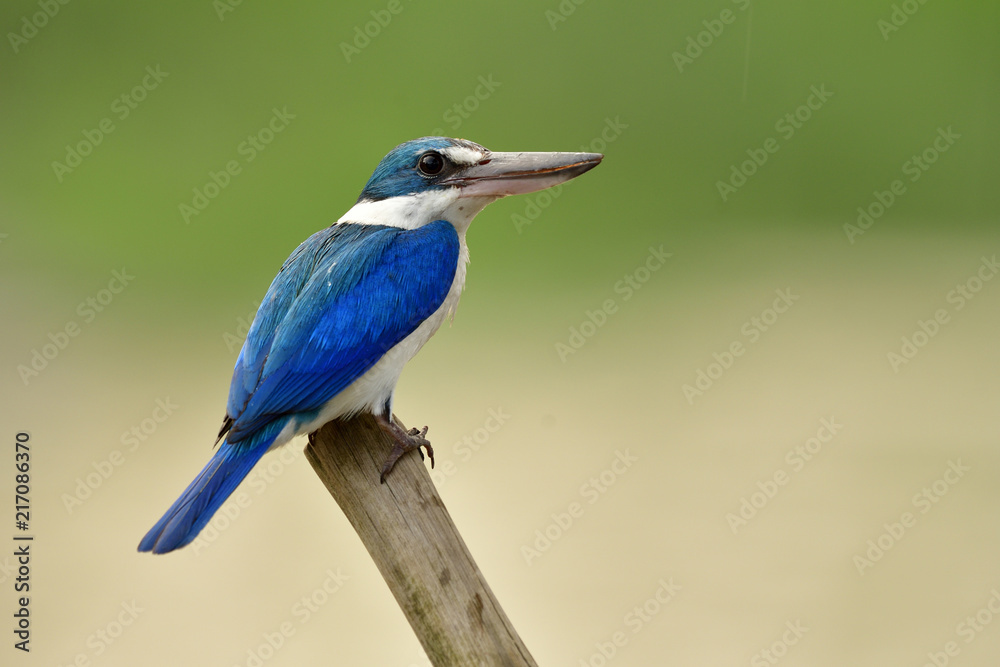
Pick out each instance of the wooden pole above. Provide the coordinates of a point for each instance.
(416, 546)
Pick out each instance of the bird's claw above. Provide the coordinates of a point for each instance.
(419, 437)
(415, 439)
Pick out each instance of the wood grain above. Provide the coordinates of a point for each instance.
(416, 546)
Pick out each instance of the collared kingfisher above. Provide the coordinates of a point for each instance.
(352, 305)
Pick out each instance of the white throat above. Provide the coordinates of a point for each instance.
(416, 210)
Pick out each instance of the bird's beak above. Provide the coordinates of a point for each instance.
(502, 174)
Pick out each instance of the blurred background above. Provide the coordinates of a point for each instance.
(781, 439)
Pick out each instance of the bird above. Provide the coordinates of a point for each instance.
(352, 305)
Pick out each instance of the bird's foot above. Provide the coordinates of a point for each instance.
(406, 441)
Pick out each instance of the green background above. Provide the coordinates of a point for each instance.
(559, 83)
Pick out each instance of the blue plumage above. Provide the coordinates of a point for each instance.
(391, 178)
(344, 298)
(381, 279)
(209, 490)
(368, 287)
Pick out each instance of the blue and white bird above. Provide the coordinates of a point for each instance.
(352, 305)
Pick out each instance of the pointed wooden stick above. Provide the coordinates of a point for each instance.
(416, 546)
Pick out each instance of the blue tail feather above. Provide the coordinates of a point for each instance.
(205, 495)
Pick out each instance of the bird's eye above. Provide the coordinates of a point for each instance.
(430, 164)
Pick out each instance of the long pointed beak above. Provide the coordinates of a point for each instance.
(502, 174)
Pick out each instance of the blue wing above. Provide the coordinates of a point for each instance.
(343, 299)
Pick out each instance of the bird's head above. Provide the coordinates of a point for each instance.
(438, 178)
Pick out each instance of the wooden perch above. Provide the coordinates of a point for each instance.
(416, 546)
